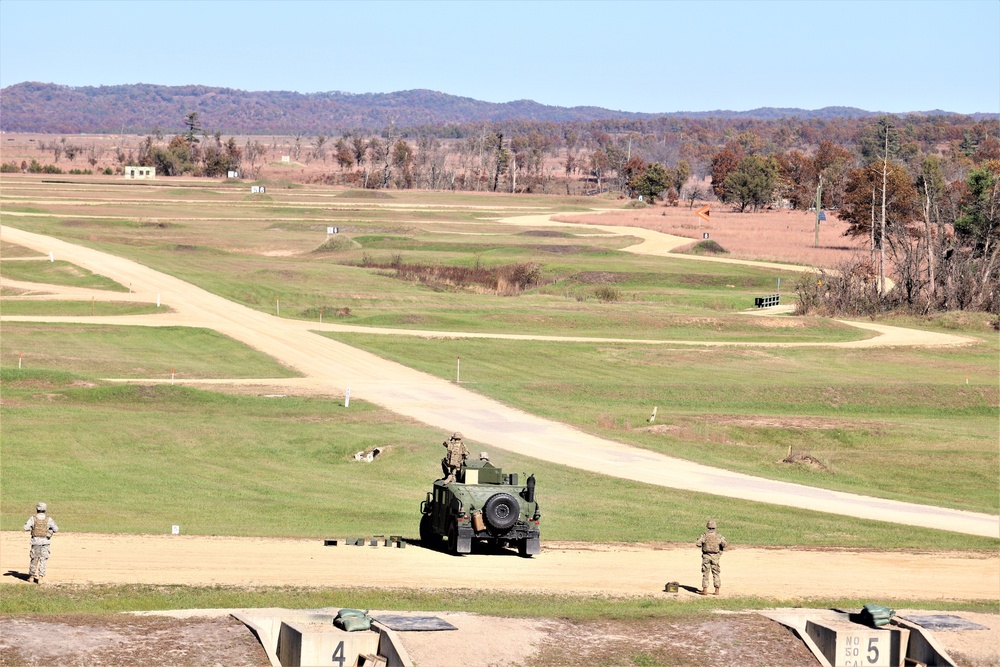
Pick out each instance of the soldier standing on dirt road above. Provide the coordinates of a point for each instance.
(712, 545)
(42, 528)
(453, 460)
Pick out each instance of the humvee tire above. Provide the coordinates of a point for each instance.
(501, 511)
(428, 538)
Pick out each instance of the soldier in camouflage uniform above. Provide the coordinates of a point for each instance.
(453, 460)
(42, 528)
(712, 545)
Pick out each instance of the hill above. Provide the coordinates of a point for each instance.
(143, 108)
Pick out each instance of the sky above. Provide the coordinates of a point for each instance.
(631, 56)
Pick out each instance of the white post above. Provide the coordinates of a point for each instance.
(458, 369)
(321, 316)
(277, 305)
(52, 256)
(347, 398)
(157, 299)
(171, 376)
(22, 354)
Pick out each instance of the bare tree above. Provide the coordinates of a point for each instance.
(319, 148)
(253, 156)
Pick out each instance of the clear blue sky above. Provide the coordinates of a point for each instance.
(633, 56)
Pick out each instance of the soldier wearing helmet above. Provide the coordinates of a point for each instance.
(712, 545)
(42, 528)
(456, 456)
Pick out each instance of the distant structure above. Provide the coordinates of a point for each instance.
(140, 173)
(233, 174)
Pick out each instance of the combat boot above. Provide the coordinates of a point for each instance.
(703, 592)
(717, 589)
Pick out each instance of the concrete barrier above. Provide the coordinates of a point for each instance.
(293, 638)
(836, 641)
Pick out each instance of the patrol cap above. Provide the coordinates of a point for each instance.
(41, 507)
(710, 524)
(456, 436)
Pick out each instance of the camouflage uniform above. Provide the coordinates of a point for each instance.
(42, 528)
(453, 460)
(712, 544)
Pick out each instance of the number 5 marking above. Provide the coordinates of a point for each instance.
(872, 659)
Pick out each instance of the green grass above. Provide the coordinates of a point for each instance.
(133, 352)
(75, 308)
(57, 273)
(8, 250)
(140, 458)
(100, 599)
(896, 423)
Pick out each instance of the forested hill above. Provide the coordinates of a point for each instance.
(144, 108)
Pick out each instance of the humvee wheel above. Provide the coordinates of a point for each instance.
(501, 511)
(522, 548)
(428, 538)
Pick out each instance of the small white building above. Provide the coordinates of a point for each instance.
(140, 173)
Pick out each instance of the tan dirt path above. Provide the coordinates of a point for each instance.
(333, 367)
(562, 567)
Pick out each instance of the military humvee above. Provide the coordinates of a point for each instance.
(481, 504)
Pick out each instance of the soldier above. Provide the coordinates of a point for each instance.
(42, 528)
(453, 460)
(712, 545)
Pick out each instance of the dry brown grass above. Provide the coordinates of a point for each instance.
(779, 235)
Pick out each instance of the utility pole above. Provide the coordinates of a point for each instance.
(819, 199)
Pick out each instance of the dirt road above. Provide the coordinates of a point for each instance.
(81, 558)
(331, 367)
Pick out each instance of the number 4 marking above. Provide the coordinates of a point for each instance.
(338, 655)
(872, 659)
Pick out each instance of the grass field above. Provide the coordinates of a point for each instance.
(77, 308)
(57, 273)
(139, 458)
(108, 599)
(133, 352)
(897, 423)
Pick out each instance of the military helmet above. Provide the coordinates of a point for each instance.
(484, 456)
(456, 436)
(711, 524)
(41, 507)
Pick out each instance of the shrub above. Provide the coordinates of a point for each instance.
(608, 294)
(708, 247)
(9, 168)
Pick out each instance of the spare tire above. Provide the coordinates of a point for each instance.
(501, 511)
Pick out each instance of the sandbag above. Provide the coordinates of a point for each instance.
(351, 612)
(876, 615)
(353, 623)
